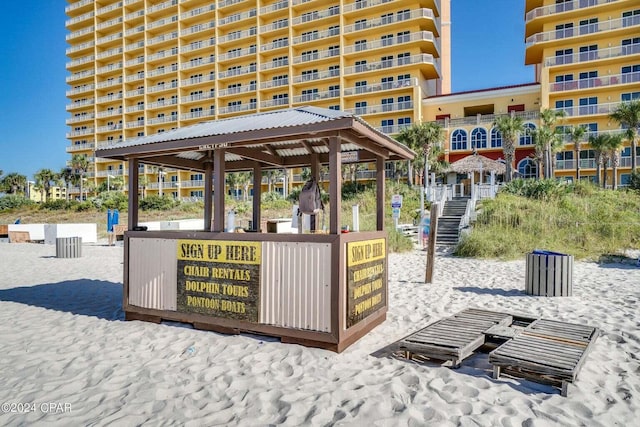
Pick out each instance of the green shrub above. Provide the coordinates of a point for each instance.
(56, 205)
(541, 189)
(634, 181)
(12, 201)
(84, 206)
(271, 196)
(111, 200)
(398, 242)
(156, 203)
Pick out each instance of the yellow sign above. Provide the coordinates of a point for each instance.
(219, 251)
(367, 251)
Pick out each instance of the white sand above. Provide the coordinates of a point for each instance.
(63, 341)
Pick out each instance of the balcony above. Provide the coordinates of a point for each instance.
(163, 54)
(193, 46)
(593, 55)
(583, 30)
(274, 102)
(109, 8)
(134, 46)
(80, 47)
(563, 7)
(78, 19)
(227, 3)
(237, 35)
(396, 17)
(77, 5)
(161, 87)
(198, 97)
(239, 53)
(135, 124)
(163, 38)
(110, 68)
(134, 77)
(161, 104)
(237, 108)
(420, 36)
(110, 113)
(80, 89)
(162, 22)
(134, 15)
(197, 80)
(393, 129)
(310, 77)
(315, 56)
(380, 87)
(589, 110)
(488, 119)
(594, 82)
(274, 83)
(381, 108)
(80, 104)
(274, 26)
(109, 23)
(198, 114)
(192, 183)
(274, 7)
(274, 45)
(197, 62)
(80, 33)
(237, 72)
(80, 147)
(134, 108)
(197, 12)
(237, 17)
(133, 31)
(162, 6)
(320, 35)
(110, 128)
(82, 132)
(423, 58)
(163, 71)
(237, 90)
(81, 61)
(317, 96)
(110, 52)
(164, 119)
(316, 15)
(135, 92)
(109, 98)
(365, 4)
(194, 29)
(81, 118)
(79, 76)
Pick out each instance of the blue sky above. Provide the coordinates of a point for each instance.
(487, 51)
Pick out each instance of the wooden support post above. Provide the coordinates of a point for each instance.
(431, 249)
(208, 191)
(132, 220)
(218, 190)
(257, 195)
(380, 193)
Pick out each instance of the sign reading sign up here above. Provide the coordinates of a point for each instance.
(366, 274)
(219, 278)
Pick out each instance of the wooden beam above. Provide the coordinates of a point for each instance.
(132, 215)
(208, 191)
(380, 193)
(335, 184)
(257, 192)
(218, 190)
(257, 155)
(173, 161)
(306, 144)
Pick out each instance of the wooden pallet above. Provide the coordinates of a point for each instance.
(454, 338)
(547, 351)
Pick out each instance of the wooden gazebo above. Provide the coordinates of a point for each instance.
(319, 289)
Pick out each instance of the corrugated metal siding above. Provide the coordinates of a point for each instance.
(153, 273)
(296, 285)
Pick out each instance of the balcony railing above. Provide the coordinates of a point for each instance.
(163, 70)
(109, 8)
(593, 82)
(424, 58)
(274, 45)
(135, 124)
(81, 118)
(135, 30)
(316, 55)
(134, 108)
(80, 18)
(274, 64)
(163, 103)
(237, 17)
(316, 76)
(109, 83)
(161, 87)
(593, 55)
(426, 36)
(283, 23)
(198, 45)
(198, 114)
(82, 32)
(378, 87)
(163, 38)
(237, 53)
(133, 46)
(480, 119)
(80, 147)
(109, 23)
(316, 15)
(109, 113)
(237, 71)
(237, 108)
(197, 80)
(80, 132)
(392, 129)
(135, 92)
(134, 15)
(198, 11)
(109, 98)
(319, 35)
(386, 20)
(80, 104)
(197, 62)
(80, 89)
(198, 28)
(162, 6)
(571, 164)
(563, 7)
(274, 102)
(80, 47)
(164, 119)
(237, 35)
(317, 96)
(381, 108)
(237, 90)
(81, 61)
(192, 183)
(363, 4)
(161, 22)
(110, 67)
(198, 97)
(133, 77)
(80, 75)
(77, 5)
(589, 110)
(583, 30)
(109, 128)
(110, 52)
(274, 83)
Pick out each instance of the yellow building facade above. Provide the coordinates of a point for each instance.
(140, 67)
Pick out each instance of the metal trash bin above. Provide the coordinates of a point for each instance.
(68, 247)
(549, 274)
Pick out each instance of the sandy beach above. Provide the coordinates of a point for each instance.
(67, 357)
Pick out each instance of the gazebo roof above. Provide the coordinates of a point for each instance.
(477, 163)
(276, 139)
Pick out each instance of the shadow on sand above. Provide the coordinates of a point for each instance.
(492, 291)
(96, 298)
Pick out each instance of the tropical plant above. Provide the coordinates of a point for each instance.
(627, 114)
(237, 179)
(66, 175)
(80, 164)
(599, 145)
(44, 178)
(423, 138)
(576, 134)
(14, 183)
(510, 127)
(272, 176)
(615, 145)
(548, 139)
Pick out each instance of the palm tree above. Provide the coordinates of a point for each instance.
(627, 114)
(14, 183)
(615, 145)
(599, 144)
(548, 139)
(80, 163)
(576, 134)
(423, 138)
(272, 177)
(66, 174)
(44, 178)
(510, 127)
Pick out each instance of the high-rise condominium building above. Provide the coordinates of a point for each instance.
(140, 67)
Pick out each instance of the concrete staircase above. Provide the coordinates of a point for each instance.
(449, 222)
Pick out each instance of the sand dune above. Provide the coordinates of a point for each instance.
(66, 351)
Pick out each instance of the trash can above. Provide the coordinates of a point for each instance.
(68, 247)
(549, 274)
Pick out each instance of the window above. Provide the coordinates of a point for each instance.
(626, 97)
(361, 45)
(564, 30)
(360, 24)
(588, 79)
(334, 91)
(361, 107)
(565, 105)
(631, 17)
(404, 102)
(387, 125)
(478, 138)
(334, 30)
(588, 105)
(386, 18)
(386, 61)
(564, 56)
(334, 70)
(404, 58)
(564, 160)
(564, 82)
(459, 139)
(403, 37)
(387, 104)
(361, 86)
(403, 15)
(309, 75)
(589, 53)
(526, 138)
(527, 169)
(361, 66)
(588, 26)
(496, 138)
(630, 73)
(387, 40)
(404, 122)
(309, 94)
(310, 55)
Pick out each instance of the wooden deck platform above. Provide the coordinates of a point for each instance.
(546, 351)
(454, 338)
